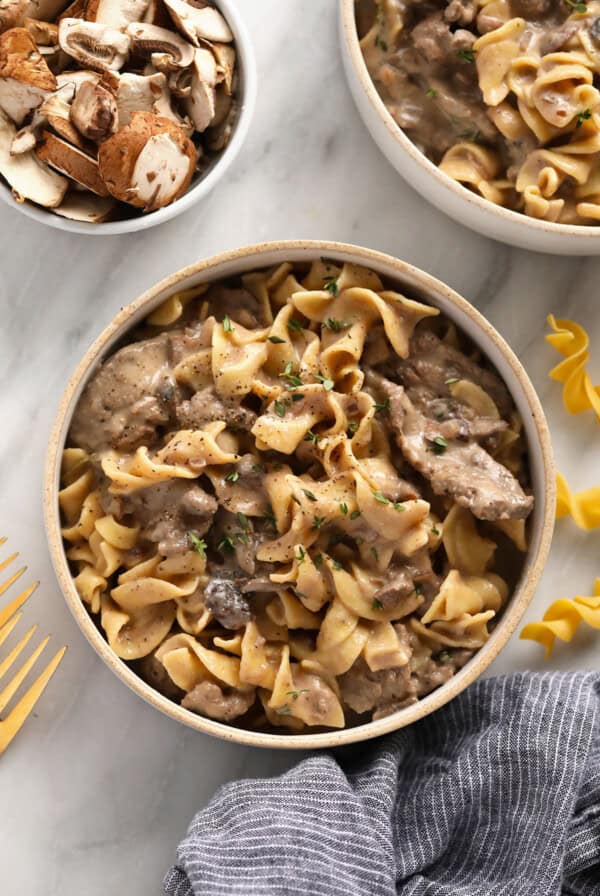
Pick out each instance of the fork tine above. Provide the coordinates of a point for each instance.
(24, 707)
(8, 560)
(6, 585)
(12, 686)
(12, 656)
(3, 540)
(19, 600)
(7, 629)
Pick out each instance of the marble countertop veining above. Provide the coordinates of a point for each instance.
(99, 788)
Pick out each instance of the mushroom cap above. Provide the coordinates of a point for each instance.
(25, 79)
(87, 207)
(149, 163)
(21, 60)
(93, 44)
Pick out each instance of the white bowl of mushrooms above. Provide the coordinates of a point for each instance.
(117, 115)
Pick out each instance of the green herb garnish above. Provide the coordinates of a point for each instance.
(352, 427)
(310, 495)
(226, 545)
(382, 406)
(398, 505)
(379, 496)
(431, 92)
(292, 378)
(269, 517)
(283, 710)
(301, 555)
(344, 509)
(242, 520)
(233, 476)
(336, 325)
(435, 530)
(330, 284)
(311, 437)
(377, 605)
(198, 544)
(296, 694)
(439, 445)
(318, 561)
(577, 5)
(326, 383)
(355, 514)
(279, 408)
(276, 340)
(466, 55)
(379, 42)
(227, 325)
(583, 116)
(444, 657)
(375, 553)
(317, 522)
(294, 325)
(452, 380)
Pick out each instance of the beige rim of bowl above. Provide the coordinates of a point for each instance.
(467, 317)
(445, 182)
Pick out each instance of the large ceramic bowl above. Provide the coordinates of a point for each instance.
(442, 191)
(418, 285)
(202, 184)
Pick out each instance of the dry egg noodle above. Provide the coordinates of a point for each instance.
(295, 499)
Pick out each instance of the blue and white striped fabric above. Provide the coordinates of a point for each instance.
(497, 794)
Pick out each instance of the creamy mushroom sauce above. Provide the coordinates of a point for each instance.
(296, 499)
(502, 95)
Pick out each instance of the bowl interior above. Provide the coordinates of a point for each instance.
(461, 195)
(203, 183)
(416, 284)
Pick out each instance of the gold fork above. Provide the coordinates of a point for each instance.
(9, 618)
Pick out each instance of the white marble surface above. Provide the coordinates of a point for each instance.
(99, 788)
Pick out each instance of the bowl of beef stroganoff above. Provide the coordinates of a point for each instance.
(491, 110)
(299, 494)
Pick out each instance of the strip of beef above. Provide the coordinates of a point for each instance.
(464, 471)
(167, 512)
(456, 420)
(127, 399)
(206, 406)
(433, 363)
(155, 674)
(238, 304)
(398, 587)
(363, 690)
(223, 704)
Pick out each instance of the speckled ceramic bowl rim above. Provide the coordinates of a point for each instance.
(204, 185)
(249, 258)
(350, 33)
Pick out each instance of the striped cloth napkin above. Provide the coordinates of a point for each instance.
(497, 794)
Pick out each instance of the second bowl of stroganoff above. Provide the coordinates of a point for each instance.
(115, 116)
(490, 110)
(299, 495)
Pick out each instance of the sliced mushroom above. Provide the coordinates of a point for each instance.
(196, 22)
(225, 56)
(75, 10)
(147, 93)
(87, 207)
(56, 111)
(167, 50)
(201, 103)
(45, 34)
(25, 79)
(156, 14)
(27, 176)
(180, 82)
(70, 160)
(14, 12)
(149, 163)
(94, 112)
(218, 135)
(93, 45)
(116, 13)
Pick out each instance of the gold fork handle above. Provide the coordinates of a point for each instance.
(13, 723)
